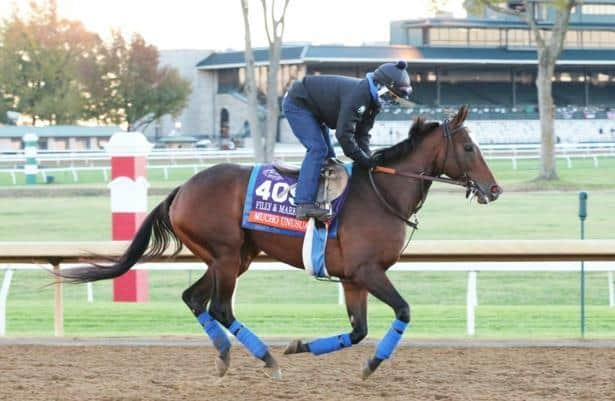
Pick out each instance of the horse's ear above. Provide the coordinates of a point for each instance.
(460, 117)
(417, 126)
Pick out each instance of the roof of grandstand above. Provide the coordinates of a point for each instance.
(497, 23)
(414, 55)
(12, 131)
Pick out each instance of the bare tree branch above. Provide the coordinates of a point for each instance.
(281, 21)
(528, 16)
(560, 27)
(250, 88)
(499, 9)
(548, 54)
(274, 23)
(531, 22)
(267, 30)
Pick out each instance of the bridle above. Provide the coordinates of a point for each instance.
(465, 182)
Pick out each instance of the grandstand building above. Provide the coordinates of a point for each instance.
(487, 61)
(57, 137)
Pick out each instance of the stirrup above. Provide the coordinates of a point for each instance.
(313, 211)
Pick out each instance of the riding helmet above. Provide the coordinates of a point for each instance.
(395, 77)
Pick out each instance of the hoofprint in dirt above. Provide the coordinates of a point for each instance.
(123, 373)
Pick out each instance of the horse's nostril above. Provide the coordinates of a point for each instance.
(496, 190)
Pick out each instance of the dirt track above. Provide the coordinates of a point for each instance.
(110, 373)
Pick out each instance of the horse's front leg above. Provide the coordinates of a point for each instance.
(373, 277)
(356, 306)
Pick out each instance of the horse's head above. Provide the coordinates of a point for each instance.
(460, 158)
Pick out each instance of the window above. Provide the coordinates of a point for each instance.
(546, 35)
(518, 37)
(448, 36)
(595, 9)
(604, 39)
(484, 37)
(414, 37)
(228, 80)
(457, 36)
(572, 39)
(525, 38)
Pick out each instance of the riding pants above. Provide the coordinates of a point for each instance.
(315, 137)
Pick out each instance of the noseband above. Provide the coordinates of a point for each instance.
(466, 181)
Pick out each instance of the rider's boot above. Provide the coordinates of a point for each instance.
(307, 210)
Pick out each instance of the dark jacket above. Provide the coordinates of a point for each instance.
(341, 103)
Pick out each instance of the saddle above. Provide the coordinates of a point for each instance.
(333, 179)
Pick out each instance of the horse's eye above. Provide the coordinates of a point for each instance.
(468, 147)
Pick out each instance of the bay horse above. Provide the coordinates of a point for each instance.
(205, 215)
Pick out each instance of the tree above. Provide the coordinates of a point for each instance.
(53, 69)
(264, 143)
(39, 59)
(549, 45)
(4, 108)
(98, 90)
(250, 88)
(137, 90)
(438, 7)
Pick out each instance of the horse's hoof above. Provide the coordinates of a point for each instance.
(293, 348)
(273, 372)
(222, 364)
(366, 371)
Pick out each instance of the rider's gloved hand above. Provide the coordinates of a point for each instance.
(362, 159)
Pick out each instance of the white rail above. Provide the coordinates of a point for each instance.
(197, 160)
(471, 268)
(283, 151)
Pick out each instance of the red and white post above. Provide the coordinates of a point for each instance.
(128, 186)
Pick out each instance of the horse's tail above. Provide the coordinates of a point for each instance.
(152, 239)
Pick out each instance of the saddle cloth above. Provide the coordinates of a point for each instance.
(269, 204)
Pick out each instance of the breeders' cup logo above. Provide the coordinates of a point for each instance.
(272, 174)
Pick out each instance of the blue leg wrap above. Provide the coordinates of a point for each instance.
(248, 339)
(329, 344)
(215, 331)
(389, 342)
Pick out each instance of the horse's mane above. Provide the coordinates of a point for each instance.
(417, 132)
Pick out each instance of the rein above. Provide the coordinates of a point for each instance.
(419, 176)
(467, 183)
(390, 208)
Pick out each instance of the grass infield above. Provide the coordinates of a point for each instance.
(511, 305)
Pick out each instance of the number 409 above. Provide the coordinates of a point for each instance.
(278, 193)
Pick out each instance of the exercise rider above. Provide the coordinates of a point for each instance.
(318, 103)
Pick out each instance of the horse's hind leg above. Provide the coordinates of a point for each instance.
(356, 306)
(196, 297)
(226, 269)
